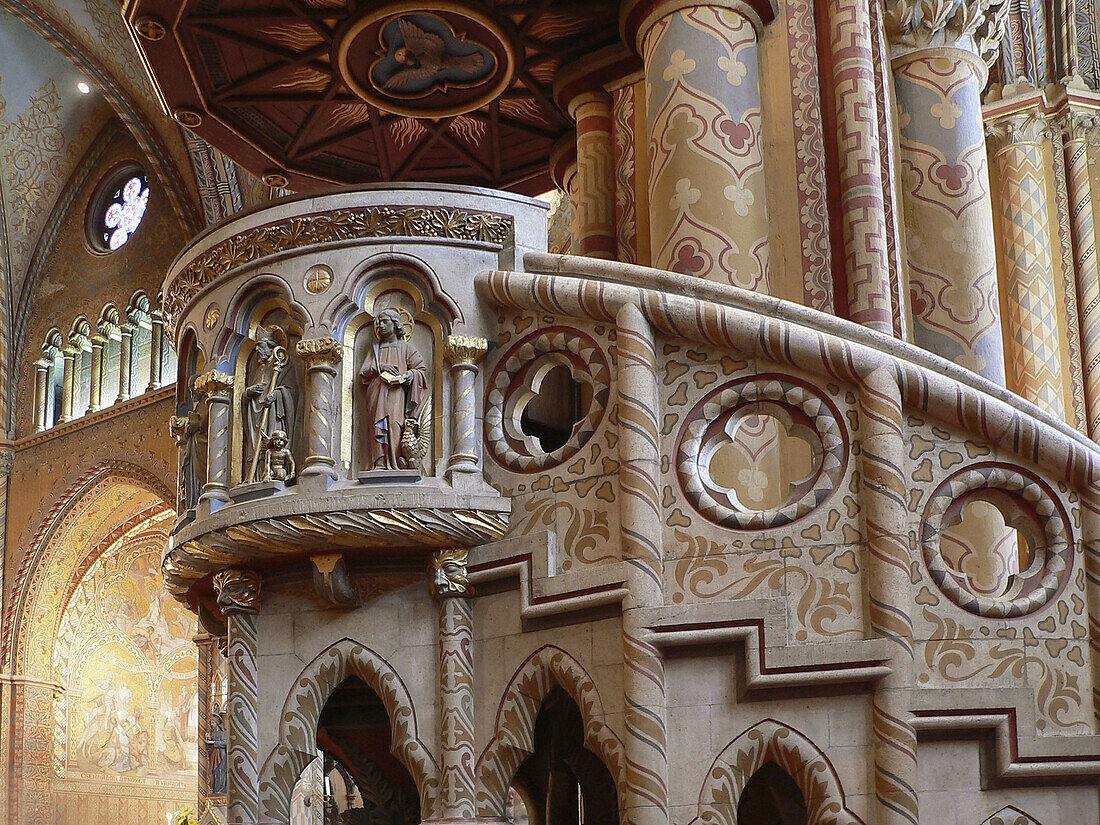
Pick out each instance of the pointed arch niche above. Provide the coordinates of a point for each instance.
(553, 680)
(349, 678)
(768, 760)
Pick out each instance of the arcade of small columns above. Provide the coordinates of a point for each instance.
(996, 200)
(102, 364)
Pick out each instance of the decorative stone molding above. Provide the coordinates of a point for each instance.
(214, 382)
(449, 572)
(7, 460)
(462, 349)
(971, 25)
(320, 351)
(329, 227)
(1079, 124)
(238, 591)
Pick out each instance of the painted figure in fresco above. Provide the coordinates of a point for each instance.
(216, 743)
(271, 397)
(278, 462)
(395, 376)
(189, 428)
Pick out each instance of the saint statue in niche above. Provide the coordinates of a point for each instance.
(395, 376)
(215, 741)
(270, 398)
(189, 428)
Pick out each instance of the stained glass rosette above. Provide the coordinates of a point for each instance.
(124, 216)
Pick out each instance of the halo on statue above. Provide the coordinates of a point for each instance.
(406, 318)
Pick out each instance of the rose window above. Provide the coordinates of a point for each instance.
(117, 209)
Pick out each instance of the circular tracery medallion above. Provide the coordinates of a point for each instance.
(424, 59)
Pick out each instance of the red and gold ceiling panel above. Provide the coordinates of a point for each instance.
(327, 91)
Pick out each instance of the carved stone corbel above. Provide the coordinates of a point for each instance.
(238, 591)
(332, 580)
(449, 577)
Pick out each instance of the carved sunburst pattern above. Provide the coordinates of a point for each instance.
(357, 92)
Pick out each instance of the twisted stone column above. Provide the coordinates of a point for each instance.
(463, 354)
(456, 685)
(593, 189)
(645, 798)
(885, 520)
(216, 386)
(1033, 346)
(708, 215)
(1079, 130)
(862, 204)
(239, 594)
(321, 355)
(939, 74)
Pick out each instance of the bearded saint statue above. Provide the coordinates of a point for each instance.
(395, 377)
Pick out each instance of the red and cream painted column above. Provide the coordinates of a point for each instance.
(451, 588)
(1036, 359)
(238, 593)
(940, 68)
(1079, 130)
(708, 215)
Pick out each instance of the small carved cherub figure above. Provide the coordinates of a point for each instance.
(278, 462)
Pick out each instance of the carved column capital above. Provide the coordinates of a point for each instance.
(1028, 127)
(973, 26)
(214, 382)
(320, 351)
(449, 577)
(7, 461)
(238, 591)
(1079, 124)
(462, 349)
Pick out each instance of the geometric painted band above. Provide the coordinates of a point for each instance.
(1028, 505)
(802, 408)
(515, 382)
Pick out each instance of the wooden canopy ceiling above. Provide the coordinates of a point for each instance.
(309, 92)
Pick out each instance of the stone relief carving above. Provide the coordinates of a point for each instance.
(278, 462)
(449, 572)
(270, 398)
(398, 404)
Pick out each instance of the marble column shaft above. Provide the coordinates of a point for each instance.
(1078, 127)
(463, 354)
(593, 184)
(1033, 350)
(645, 797)
(125, 362)
(217, 387)
(862, 205)
(950, 249)
(708, 215)
(204, 645)
(41, 376)
(321, 356)
(156, 346)
(886, 526)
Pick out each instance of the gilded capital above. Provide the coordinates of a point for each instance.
(462, 349)
(449, 572)
(214, 382)
(320, 351)
(238, 591)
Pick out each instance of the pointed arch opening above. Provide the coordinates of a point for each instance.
(771, 797)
